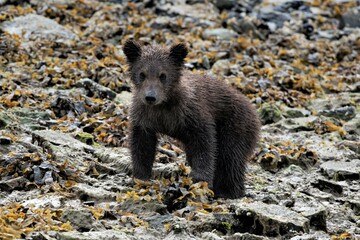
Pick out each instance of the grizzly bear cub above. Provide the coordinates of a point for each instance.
(217, 125)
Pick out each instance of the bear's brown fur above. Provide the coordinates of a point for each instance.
(217, 124)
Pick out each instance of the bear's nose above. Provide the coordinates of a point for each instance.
(150, 97)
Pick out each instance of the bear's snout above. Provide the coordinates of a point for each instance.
(150, 97)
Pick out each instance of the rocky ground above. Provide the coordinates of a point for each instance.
(65, 170)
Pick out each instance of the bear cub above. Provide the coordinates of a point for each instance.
(217, 124)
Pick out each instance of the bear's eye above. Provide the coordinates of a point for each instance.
(142, 77)
(162, 77)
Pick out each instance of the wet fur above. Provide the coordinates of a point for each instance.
(217, 125)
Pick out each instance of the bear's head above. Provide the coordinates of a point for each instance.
(155, 71)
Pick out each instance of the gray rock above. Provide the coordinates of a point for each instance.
(245, 236)
(319, 235)
(90, 193)
(245, 26)
(124, 98)
(329, 186)
(116, 158)
(297, 124)
(333, 101)
(340, 170)
(314, 58)
(351, 18)
(270, 219)
(224, 3)
(221, 67)
(50, 235)
(295, 112)
(95, 88)
(197, 10)
(25, 118)
(268, 14)
(36, 26)
(143, 208)
(60, 139)
(161, 22)
(344, 113)
(79, 218)
(45, 202)
(352, 145)
(269, 113)
(63, 147)
(206, 62)
(210, 236)
(219, 33)
(157, 221)
(312, 210)
(17, 183)
(104, 23)
(353, 126)
(327, 149)
(95, 235)
(4, 120)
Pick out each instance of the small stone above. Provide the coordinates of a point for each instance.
(221, 67)
(314, 58)
(329, 186)
(269, 113)
(64, 147)
(296, 112)
(48, 179)
(219, 33)
(246, 236)
(270, 15)
(95, 88)
(17, 183)
(124, 98)
(196, 11)
(353, 126)
(297, 124)
(269, 219)
(312, 210)
(247, 70)
(245, 26)
(79, 218)
(86, 138)
(344, 113)
(143, 208)
(94, 235)
(318, 235)
(157, 221)
(352, 145)
(224, 4)
(90, 193)
(116, 158)
(161, 22)
(206, 62)
(45, 201)
(350, 18)
(340, 170)
(32, 26)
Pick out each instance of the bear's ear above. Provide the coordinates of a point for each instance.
(132, 51)
(178, 52)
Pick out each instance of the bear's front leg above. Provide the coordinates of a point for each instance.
(143, 148)
(200, 150)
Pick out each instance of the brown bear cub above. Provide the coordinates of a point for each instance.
(217, 125)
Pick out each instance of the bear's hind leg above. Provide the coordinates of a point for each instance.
(233, 151)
